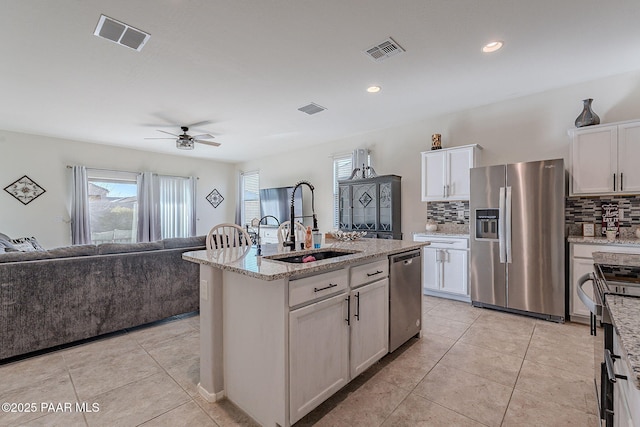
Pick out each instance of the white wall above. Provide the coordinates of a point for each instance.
(45, 159)
(522, 129)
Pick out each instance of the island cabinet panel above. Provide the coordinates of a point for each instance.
(369, 325)
(318, 353)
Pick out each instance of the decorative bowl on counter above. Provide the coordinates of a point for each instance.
(431, 226)
(346, 236)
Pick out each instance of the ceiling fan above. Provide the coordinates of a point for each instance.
(186, 141)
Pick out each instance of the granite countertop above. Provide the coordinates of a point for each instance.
(601, 240)
(625, 314)
(243, 261)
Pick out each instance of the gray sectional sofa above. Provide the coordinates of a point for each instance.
(54, 297)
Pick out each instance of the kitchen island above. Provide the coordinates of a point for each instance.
(624, 312)
(278, 338)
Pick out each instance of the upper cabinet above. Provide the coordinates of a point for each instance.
(604, 159)
(445, 173)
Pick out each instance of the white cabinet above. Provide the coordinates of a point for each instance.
(603, 159)
(445, 271)
(445, 173)
(333, 340)
(318, 354)
(582, 263)
(626, 396)
(369, 325)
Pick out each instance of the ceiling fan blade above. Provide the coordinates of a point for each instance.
(164, 131)
(203, 136)
(212, 143)
(202, 123)
(160, 138)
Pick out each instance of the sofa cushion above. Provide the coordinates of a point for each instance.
(119, 248)
(71, 251)
(23, 256)
(184, 242)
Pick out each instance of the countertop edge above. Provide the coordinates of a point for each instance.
(284, 270)
(629, 336)
(598, 240)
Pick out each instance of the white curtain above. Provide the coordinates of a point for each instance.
(177, 206)
(148, 208)
(80, 225)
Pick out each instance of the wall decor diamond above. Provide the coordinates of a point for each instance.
(25, 190)
(215, 198)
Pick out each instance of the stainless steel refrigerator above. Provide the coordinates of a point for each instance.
(517, 238)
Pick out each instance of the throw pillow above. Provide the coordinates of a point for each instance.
(27, 244)
(7, 246)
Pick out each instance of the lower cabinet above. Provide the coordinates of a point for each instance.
(334, 340)
(445, 270)
(318, 353)
(369, 325)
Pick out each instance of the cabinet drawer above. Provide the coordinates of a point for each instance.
(586, 251)
(314, 287)
(366, 273)
(269, 232)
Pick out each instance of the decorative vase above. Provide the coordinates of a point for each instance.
(436, 141)
(587, 117)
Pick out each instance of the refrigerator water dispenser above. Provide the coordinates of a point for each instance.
(487, 224)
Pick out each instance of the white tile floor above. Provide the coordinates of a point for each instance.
(472, 367)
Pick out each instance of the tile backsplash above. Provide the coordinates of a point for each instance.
(447, 212)
(588, 210)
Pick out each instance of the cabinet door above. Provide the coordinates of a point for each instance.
(364, 206)
(369, 325)
(628, 155)
(579, 267)
(594, 160)
(455, 272)
(318, 354)
(458, 165)
(431, 268)
(433, 176)
(344, 201)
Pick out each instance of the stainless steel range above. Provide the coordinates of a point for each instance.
(607, 280)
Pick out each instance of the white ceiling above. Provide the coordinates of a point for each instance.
(248, 65)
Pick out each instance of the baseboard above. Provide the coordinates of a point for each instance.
(210, 397)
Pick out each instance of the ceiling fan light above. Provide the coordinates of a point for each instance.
(184, 144)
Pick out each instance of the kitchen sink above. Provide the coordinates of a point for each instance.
(319, 255)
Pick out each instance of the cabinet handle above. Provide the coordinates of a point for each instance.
(621, 177)
(331, 285)
(444, 191)
(357, 315)
(373, 274)
(348, 300)
(447, 187)
(611, 373)
(614, 182)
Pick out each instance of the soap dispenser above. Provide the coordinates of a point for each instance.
(308, 239)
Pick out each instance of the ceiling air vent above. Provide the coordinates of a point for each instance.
(311, 108)
(384, 50)
(121, 33)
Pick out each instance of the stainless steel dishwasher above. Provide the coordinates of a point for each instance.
(405, 297)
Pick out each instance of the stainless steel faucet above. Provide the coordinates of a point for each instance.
(258, 245)
(291, 243)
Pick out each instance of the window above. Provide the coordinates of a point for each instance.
(342, 168)
(113, 206)
(249, 196)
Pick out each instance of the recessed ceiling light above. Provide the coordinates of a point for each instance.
(373, 89)
(492, 46)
